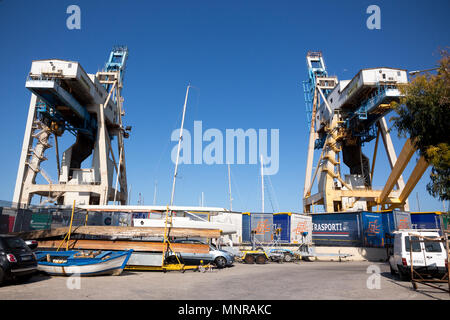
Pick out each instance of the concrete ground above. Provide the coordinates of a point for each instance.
(299, 280)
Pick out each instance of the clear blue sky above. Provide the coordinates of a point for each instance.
(247, 59)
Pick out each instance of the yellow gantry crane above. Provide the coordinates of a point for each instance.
(342, 117)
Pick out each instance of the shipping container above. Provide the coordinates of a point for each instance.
(396, 220)
(282, 220)
(295, 228)
(362, 228)
(7, 219)
(337, 229)
(260, 223)
(425, 220)
(373, 231)
(22, 221)
(444, 221)
(301, 229)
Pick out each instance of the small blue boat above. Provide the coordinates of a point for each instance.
(82, 262)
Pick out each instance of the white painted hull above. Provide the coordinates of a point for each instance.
(113, 266)
(181, 222)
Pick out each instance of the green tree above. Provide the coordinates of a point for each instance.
(424, 116)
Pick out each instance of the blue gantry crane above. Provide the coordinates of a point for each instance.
(64, 98)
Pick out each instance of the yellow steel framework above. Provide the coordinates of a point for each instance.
(334, 193)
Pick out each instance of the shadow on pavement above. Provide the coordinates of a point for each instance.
(427, 291)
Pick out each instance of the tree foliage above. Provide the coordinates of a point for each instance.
(424, 116)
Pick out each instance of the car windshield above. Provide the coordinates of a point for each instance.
(14, 243)
(415, 244)
(431, 246)
(213, 247)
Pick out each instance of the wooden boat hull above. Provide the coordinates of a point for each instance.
(90, 267)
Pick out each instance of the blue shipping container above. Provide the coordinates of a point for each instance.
(373, 230)
(283, 220)
(425, 220)
(337, 229)
(396, 220)
(246, 227)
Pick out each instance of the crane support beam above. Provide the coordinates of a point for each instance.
(400, 165)
(366, 194)
(414, 178)
(309, 161)
(389, 146)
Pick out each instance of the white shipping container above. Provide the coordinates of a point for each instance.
(301, 224)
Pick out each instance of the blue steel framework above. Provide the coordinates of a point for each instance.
(54, 112)
(46, 111)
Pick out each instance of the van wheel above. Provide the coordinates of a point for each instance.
(220, 262)
(392, 270)
(403, 275)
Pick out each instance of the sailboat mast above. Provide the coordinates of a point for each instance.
(229, 188)
(262, 184)
(179, 146)
(154, 193)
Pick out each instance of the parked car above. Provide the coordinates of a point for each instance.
(218, 257)
(17, 261)
(32, 244)
(429, 257)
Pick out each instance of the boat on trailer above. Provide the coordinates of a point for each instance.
(82, 262)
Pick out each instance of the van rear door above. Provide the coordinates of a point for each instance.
(417, 252)
(434, 254)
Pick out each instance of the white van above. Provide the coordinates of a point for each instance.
(429, 257)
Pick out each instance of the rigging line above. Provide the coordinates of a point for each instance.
(168, 143)
(269, 194)
(197, 101)
(277, 207)
(233, 180)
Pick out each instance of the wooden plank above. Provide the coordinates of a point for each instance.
(114, 231)
(126, 245)
(41, 234)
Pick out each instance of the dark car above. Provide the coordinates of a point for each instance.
(17, 261)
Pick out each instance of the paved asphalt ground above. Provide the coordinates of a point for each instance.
(299, 280)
